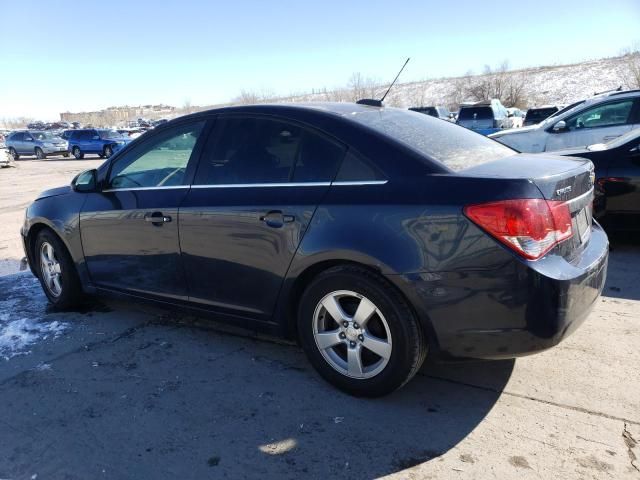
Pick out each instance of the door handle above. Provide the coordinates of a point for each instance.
(157, 218)
(276, 218)
(610, 137)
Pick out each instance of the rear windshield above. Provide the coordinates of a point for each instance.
(536, 115)
(475, 113)
(454, 146)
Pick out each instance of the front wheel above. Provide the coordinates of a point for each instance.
(108, 151)
(56, 271)
(77, 153)
(40, 154)
(359, 333)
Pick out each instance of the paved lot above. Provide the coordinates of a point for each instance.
(122, 390)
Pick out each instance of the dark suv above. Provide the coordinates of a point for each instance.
(100, 142)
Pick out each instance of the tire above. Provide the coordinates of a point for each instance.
(14, 154)
(56, 271)
(40, 154)
(392, 328)
(77, 153)
(108, 151)
(65, 155)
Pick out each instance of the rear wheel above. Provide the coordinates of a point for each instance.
(14, 154)
(359, 333)
(40, 154)
(56, 271)
(65, 154)
(77, 153)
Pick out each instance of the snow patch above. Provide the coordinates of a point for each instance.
(17, 335)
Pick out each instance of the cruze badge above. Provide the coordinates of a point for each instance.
(562, 191)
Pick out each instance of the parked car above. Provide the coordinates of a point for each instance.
(373, 235)
(95, 141)
(5, 159)
(538, 114)
(484, 117)
(36, 126)
(33, 142)
(617, 171)
(435, 111)
(595, 120)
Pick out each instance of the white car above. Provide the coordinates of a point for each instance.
(596, 120)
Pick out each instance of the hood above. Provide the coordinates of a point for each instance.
(54, 192)
(512, 131)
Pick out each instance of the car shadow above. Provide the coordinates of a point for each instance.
(176, 396)
(623, 274)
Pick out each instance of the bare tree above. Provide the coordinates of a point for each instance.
(632, 59)
(360, 87)
(508, 87)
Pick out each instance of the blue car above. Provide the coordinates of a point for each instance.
(100, 142)
(40, 144)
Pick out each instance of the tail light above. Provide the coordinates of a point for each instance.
(531, 227)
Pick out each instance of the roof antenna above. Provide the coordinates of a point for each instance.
(378, 103)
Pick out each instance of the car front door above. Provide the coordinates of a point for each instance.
(257, 187)
(598, 124)
(129, 229)
(27, 145)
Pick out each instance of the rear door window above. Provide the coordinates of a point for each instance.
(256, 150)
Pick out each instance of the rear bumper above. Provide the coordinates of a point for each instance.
(517, 309)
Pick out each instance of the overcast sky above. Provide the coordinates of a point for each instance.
(82, 55)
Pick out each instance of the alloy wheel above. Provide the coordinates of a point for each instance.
(51, 269)
(352, 334)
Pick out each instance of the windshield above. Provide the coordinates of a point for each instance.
(475, 113)
(108, 134)
(454, 146)
(42, 135)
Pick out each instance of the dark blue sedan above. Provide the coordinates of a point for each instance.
(373, 235)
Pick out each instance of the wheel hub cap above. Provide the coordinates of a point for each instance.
(352, 334)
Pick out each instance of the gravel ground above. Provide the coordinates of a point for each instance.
(123, 390)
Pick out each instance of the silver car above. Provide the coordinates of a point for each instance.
(596, 120)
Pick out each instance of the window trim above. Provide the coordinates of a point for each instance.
(346, 183)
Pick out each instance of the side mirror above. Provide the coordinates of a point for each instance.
(561, 126)
(96, 137)
(85, 182)
(28, 139)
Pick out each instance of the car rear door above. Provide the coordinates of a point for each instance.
(129, 229)
(599, 124)
(256, 189)
(16, 141)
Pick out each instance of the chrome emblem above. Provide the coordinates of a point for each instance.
(562, 191)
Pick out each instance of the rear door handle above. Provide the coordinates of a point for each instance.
(276, 219)
(157, 218)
